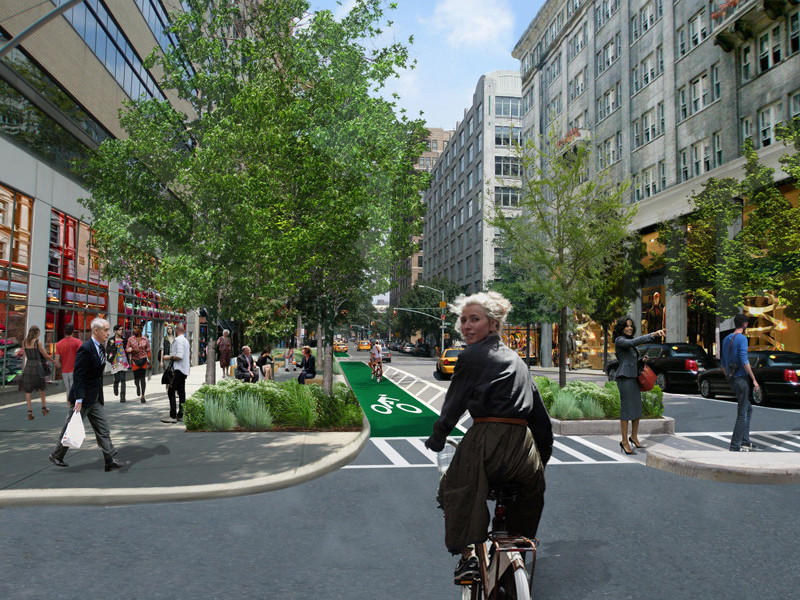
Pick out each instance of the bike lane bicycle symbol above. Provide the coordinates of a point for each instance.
(386, 404)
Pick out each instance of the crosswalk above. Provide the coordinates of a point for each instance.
(410, 452)
(767, 441)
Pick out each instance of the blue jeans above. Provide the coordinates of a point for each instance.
(741, 431)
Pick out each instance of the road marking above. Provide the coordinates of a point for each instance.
(389, 454)
(763, 437)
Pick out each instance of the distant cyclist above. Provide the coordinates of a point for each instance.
(376, 361)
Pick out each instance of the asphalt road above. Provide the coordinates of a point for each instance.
(618, 530)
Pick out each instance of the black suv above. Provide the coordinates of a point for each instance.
(675, 365)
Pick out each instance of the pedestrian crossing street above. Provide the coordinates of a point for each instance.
(410, 452)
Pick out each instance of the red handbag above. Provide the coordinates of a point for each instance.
(647, 379)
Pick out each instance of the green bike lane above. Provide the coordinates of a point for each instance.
(392, 412)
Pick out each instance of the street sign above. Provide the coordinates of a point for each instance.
(442, 304)
(444, 317)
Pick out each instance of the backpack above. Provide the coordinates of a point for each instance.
(733, 361)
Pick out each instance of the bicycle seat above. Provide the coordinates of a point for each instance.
(507, 492)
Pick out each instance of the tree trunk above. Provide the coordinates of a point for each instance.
(605, 346)
(562, 348)
(211, 343)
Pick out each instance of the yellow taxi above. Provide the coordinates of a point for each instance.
(339, 347)
(364, 345)
(447, 362)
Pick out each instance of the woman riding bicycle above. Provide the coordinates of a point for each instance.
(511, 438)
(376, 360)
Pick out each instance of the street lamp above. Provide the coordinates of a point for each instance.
(442, 306)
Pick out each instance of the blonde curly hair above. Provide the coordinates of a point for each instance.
(494, 305)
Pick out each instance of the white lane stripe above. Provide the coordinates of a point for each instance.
(420, 445)
(760, 437)
(390, 453)
(600, 449)
(776, 438)
(570, 451)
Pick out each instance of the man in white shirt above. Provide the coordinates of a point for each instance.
(181, 366)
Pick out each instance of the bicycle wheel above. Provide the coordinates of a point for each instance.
(521, 584)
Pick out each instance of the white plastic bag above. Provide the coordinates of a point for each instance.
(75, 433)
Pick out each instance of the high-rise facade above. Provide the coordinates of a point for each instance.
(405, 274)
(478, 171)
(666, 92)
(60, 93)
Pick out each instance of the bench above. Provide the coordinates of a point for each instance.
(315, 380)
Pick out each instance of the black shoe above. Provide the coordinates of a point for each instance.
(143, 400)
(115, 464)
(621, 445)
(57, 461)
(122, 400)
(467, 571)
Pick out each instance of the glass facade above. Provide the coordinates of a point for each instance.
(16, 212)
(92, 21)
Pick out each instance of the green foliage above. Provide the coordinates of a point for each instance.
(299, 408)
(653, 403)
(194, 413)
(586, 400)
(251, 413)
(565, 406)
(340, 410)
(426, 300)
(218, 416)
(545, 390)
(591, 396)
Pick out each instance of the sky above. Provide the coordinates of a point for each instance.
(455, 42)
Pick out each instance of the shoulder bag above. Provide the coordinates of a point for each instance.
(733, 360)
(169, 373)
(647, 379)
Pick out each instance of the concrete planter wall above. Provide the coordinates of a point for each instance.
(611, 426)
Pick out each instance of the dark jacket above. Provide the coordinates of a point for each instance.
(243, 364)
(491, 380)
(309, 365)
(628, 357)
(87, 377)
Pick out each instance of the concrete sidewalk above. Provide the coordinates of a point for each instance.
(167, 462)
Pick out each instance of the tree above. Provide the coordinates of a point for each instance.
(285, 176)
(565, 223)
(426, 301)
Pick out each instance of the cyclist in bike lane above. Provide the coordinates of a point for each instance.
(376, 361)
(511, 438)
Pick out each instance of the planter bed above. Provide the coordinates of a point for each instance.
(610, 426)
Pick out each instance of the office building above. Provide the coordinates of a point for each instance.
(476, 173)
(60, 93)
(666, 92)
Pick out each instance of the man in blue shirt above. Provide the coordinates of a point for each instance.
(737, 369)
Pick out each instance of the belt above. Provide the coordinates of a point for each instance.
(500, 420)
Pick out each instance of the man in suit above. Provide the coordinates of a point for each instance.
(86, 396)
(246, 366)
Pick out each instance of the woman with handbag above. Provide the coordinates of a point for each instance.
(36, 370)
(118, 357)
(139, 350)
(169, 338)
(627, 378)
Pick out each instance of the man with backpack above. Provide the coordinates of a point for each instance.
(737, 369)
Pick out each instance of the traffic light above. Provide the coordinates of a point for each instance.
(394, 313)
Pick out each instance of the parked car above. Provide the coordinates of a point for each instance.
(407, 348)
(447, 362)
(364, 345)
(387, 356)
(675, 365)
(421, 350)
(777, 373)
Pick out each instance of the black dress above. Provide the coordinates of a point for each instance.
(31, 378)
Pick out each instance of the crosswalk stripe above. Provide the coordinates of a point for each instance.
(605, 452)
(390, 453)
(776, 438)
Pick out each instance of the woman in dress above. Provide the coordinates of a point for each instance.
(138, 349)
(32, 375)
(116, 355)
(224, 350)
(266, 363)
(510, 440)
(630, 398)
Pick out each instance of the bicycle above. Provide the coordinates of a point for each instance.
(502, 558)
(377, 370)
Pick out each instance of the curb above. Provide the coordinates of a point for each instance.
(664, 425)
(728, 467)
(123, 496)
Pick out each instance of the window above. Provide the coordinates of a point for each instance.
(681, 37)
(648, 69)
(479, 142)
(683, 109)
(635, 78)
(470, 180)
(699, 96)
(435, 145)
(746, 59)
(767, 119)
(795, 105)
(553, 108)
(684, 164)
(648, 180)
(697, 29)
(716, 86)
(660, 117)
(504, 136)
(461, 139)
(608, 102)
(506, 196)
(769, 49)
(716, 141)
(471, 125)
(634, 28)
(461, 164)
(662, 174)
(507, 107)
(527, 101)
(479, 112)
(637, 135)
(746, 128)
(649, 125)
(470, 154)
(794, 33)
(577, 85)
(507, 166)
(648, 17)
